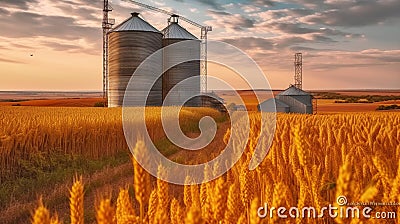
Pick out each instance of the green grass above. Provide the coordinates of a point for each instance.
(167, 148)
(49, 170)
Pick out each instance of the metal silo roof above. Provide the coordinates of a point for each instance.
(293, 91)
(175, 31)
(135, 23)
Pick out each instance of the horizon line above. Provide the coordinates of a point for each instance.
(99, 91)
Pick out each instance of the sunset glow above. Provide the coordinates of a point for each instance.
(57, 45)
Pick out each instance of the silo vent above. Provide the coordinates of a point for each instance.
(174, 18)
(135, 14)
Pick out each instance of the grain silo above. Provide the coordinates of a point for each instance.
(298, 100)
(175, 33)
(130, 43)
(273, 105)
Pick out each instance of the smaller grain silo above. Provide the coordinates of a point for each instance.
(174, 33)
(298, 100)
(130, 43)
(273, 105)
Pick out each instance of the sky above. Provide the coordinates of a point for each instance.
(346, 44)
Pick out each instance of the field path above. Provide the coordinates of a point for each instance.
(106, 181)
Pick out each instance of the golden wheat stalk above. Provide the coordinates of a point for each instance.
(369, 194)
(129, 219)
(205, 201)
(194, 190)
(162, 190)
(219, 199)
(41, 215)
(124, 206)
(141, 180)
(187, 192)
(153, 206)
(396, 186)
(54, 219)
(105, 213)
(246, 187)
(234, 205)
(175, 207)
(76, 201)
(255, 204)
(194, 216)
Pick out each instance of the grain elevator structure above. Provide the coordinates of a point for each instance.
(189, 70)
(134, 40)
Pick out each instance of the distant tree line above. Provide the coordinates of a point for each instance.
(355, 99)
(390, 107)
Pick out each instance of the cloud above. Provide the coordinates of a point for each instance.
(281, 43)
(21, 4)
(385, 56)
(84, 13)
(318, 38)
(250, 8)
(288, 41)
(324, 60)
(355, 13)
(361, 13)
(4, 12)
(289, 23)
(22, 46)
(299, 12)
(265, 3)
(213, 3)
(298, 28)
(292, 28)
(229, 21)
(27, 24)
(11, 61)
(269, 30)
(246, 43)
(303, 49)
(90, 3)
(61, 47)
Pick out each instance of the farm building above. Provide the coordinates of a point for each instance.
(272, 104)
(240, 108)
(292, 100)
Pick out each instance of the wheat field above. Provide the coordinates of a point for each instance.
(26, 132)
(313, 160)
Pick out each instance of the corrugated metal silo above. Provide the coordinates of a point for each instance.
(273, 105)
(175, 33)
(298, 100)
(130, 43)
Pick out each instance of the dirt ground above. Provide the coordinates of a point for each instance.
(366, 93)
(76, 102)
(329, 106)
